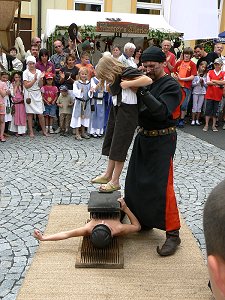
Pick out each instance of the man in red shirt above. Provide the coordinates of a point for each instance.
(214, 93)
(170, 57)
(184, 72)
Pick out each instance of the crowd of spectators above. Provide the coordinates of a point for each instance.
(200, 75)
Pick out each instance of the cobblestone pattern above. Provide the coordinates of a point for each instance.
(37, 174)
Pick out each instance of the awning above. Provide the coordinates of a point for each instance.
(66, 17)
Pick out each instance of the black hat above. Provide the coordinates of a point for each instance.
(101, 236)
(153, 53)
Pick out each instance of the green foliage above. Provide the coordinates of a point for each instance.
(87, 31)
(159, 35)
(208, 44)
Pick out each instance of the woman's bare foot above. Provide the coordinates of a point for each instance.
(31, 135)
(46, 134)
(38, 235)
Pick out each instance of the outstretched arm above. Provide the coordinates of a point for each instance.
(82, 231)
(129, 228)
(136, 82)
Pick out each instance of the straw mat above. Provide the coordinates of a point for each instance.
(146, 275)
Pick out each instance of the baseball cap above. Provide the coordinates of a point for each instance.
(218, 61)
(49, 75)
(101, 236)
(63, 88)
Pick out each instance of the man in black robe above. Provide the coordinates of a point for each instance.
(149, 190)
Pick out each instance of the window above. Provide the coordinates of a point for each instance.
(89, 5)
(153, 7)
(151, 1)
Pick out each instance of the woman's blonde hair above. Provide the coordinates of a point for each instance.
(108, 68)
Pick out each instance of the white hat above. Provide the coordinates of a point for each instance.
(31, 58)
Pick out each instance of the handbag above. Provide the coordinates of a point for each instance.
(28, 99)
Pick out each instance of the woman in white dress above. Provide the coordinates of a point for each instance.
(32, 82)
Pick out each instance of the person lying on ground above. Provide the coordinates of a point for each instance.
(101, 231)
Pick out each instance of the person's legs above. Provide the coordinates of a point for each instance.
(42, 124)
(77, 134)
(184, 107)
(83, 133)
(2, 127)
(30, 124)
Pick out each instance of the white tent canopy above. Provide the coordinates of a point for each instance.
(66, 17)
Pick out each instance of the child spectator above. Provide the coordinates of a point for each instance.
(96, 128)
(214, 93)
(65, 104)
(184, 72)
(49, 94)
(85, 62)
(19, 118)
(199, 90)
(82, 108)
(3, 92)
(123, 118)
(8, 116)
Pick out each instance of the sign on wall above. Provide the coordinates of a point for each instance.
(122, 27)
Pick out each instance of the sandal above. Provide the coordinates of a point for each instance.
(109, 188)
(214, 129)
(2, 139)
(100, 179)
(205, 128)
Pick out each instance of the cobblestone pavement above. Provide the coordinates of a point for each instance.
(36, 174)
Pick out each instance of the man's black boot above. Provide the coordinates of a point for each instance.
(171, 243)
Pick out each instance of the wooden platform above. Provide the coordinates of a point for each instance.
(108, 258)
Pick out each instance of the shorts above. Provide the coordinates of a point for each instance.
(212, 108)
(50, 110)
(184, 105)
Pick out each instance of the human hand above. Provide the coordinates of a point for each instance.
(125, 84)
(35, 76)
(42, 75)
(122, 203)
(49, 69)
(61, 74)
(38, 235)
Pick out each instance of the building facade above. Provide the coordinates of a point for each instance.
(33, 14)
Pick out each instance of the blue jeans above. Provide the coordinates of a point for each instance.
(184, 105)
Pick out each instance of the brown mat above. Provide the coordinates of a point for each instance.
(146, 275)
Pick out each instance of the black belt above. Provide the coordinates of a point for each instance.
(157, 132)
(82, 100)
(98, 98)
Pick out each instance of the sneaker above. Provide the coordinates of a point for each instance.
(197, 123)
(94, 135)
(192, 123)
(57, 130)
(205, 128)
(51, 130)
(181, 124)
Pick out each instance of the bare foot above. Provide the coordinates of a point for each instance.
(31, 135)
(37, 234)
(46, 134)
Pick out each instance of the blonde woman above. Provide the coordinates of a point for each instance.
(123, 117)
